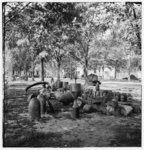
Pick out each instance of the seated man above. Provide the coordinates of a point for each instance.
(46, 90)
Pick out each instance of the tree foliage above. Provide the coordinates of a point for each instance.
(94, 34)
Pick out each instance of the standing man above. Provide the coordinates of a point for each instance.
(97, 88)
(52, 80)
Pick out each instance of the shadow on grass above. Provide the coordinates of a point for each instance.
(19, 131)
(127, 137)
(40, 139)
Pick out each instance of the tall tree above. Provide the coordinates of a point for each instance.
(93, 21)
(127, 23)
(38, 21)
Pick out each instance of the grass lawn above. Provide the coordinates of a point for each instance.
(60, 130)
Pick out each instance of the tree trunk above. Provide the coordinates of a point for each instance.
(115, 73)
(129, 68)
(99, 70)
(42, 69)
(13, 72)
(103, 72)
(58, 71)
(86, 71)
(129, 74)
(71, 71)
(26, 76)
(19, 73)
(33, 71)
(95, 70)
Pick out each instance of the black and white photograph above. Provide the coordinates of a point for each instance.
(72, 74)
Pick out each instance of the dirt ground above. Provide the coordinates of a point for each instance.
(60, 130)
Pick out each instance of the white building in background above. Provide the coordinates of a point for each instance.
(108, 73)
(49, 71)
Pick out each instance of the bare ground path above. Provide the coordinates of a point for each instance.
(59, 130)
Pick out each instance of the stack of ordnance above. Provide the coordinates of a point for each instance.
(51, 99)
(110, 103)
(104, 101)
